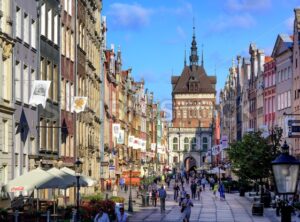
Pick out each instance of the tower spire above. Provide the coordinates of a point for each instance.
(194, 54)
(184, 55)
(202, 60)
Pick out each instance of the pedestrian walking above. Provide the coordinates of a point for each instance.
(203, 183)
(215, 189)
(186, 208)
(193, 189)
(162, 197)
(222, 191)
(122, 216)
(101, 216)
(182, 195)
(199, 190)
(176, 189)
(154, 197)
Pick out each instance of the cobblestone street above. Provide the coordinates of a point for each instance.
(208, 209)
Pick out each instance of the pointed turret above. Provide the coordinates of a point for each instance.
(194, 53)
(184, 56)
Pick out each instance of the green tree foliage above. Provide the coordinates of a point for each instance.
(252, 156)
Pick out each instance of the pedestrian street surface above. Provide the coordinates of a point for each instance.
(208, 209)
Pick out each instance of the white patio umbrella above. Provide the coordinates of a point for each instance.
(34, 179)
(90, 182)
(69, 179)
(216, 170)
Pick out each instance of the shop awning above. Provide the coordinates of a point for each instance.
(90, 182)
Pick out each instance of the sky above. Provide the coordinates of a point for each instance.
(153, 34)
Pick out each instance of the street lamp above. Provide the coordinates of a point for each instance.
(285, 169)
(78, 170)
(130, 208)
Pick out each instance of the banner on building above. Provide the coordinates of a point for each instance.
(153, 146)
(78, 104)
(120, 138)
(39, 92)
(116, 129)
(224, 142)
(143, 145)
(135, 143)
(130, 141)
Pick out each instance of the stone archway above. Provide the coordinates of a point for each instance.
(190, 163)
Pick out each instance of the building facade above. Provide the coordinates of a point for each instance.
(193, 105)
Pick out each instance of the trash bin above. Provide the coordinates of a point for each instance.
(258, 209)
(242, 191)
(143, 201)
(147, 201)
(266, 199)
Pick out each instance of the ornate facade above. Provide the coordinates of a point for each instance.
(193, 105)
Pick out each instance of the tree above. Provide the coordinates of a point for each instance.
(252, 156)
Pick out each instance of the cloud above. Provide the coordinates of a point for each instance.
(289, 24)
(178, 37)
(128, 16)
(184, 9)
(247, 5)
(242, 21)
(180, 32)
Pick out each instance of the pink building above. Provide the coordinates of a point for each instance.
(269, 91)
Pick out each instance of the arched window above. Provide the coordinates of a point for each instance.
(175, 144)
(186, 144)
(194, 143)
(204, 143)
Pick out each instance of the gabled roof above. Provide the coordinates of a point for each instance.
(283, 43)
(195, 74)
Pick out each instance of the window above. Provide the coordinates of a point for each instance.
(70, 7)
(43, 20)
(55, 83)
(279, 102)
(55, 40)
(43, 134)
(288, 98)
(26, 28)
(24, 160)
(18, 23)
(26, 84)
(49, 27)
(3, 176)
(184, 113)
(66, 5)
(186, 144)
(5, 135)
(55, 137)
(33, 33)
(63, 39)
(62, 94)
(32, 78)
(16, 159)
(67, 44)
(72, 47)
(194, 143)
(67, 96)
(18, 81)
(43, 69)
(50, 78)
(204, 143)
(175, 144)
(32, 145)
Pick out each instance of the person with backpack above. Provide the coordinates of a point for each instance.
(162, 193)
(186, 208)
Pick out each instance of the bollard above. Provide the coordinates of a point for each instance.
(48, 215)
(16, 215)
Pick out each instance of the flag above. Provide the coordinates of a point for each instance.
(120, 138)
(78, 104)
(39, 92)
(130, 141)
(23, 127)
(116, 129)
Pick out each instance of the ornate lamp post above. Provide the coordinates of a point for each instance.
(130, 208)
(78, 171)
(285, 169)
